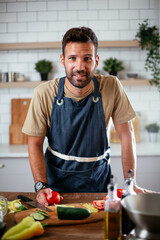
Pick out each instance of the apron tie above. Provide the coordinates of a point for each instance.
(81, 159)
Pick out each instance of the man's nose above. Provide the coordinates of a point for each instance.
(80, 65)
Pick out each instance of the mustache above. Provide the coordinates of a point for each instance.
(80, 72)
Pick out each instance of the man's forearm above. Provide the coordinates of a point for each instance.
(129, 160)
(37, 159)
(128, 148)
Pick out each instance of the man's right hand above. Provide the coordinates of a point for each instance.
(41, 196)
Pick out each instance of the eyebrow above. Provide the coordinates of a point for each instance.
(86, 55)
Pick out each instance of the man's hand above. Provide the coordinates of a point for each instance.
(142, 190)
(41, 196)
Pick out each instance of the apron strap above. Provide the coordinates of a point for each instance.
(61, 88)
(96, 87)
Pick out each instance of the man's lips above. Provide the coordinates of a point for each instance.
(79, 75)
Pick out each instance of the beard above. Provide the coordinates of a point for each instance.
(80, 82)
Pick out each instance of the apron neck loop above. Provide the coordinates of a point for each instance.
(61, 88)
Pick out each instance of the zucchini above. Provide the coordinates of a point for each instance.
(72, 213)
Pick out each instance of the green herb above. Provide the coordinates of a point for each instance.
(113, 66)
(43, 66)
(149, 38)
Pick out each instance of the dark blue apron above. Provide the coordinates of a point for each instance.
(77, 158)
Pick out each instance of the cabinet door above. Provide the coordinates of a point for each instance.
(16, 175)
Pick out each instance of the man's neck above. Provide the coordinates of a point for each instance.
(75, 90)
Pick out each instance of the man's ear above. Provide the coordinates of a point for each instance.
(97, 61)
(62, 59)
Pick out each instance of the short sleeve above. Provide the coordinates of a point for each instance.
(36, 120)
(122, 109)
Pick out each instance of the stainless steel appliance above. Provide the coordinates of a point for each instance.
(144, 210)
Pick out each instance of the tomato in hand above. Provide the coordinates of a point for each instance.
(99, 204)
(54, 199)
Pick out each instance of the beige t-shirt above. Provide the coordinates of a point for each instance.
(115, 104)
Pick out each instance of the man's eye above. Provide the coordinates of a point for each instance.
(87, 58)
(72, 58)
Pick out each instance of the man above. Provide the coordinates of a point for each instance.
(74, 112)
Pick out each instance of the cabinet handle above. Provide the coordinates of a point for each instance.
(2, 165)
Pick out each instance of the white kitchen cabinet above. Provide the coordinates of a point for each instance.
(148, 172)
(15, 175)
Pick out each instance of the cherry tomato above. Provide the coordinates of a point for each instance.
(119, 192)
(99, 204)
(55, 199)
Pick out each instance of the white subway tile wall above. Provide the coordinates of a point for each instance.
(42, 21)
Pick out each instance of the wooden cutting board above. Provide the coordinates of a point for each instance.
(19, 109)
(53, 219)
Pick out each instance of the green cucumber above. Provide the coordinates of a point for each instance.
(42, 212)
(72, 213)
(37, 216)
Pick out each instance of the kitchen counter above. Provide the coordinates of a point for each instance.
(19, 151)
(72, 232)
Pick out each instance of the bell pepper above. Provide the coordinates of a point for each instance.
(26, 229)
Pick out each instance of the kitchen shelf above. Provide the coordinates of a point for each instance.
(58, 45)
(29, 84)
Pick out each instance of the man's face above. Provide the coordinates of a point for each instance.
(80, 61)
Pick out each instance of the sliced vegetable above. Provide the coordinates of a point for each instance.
(54, 199)
(37, 216)
(90, 207)
(72, 213)
(99, 204)
(22, 208)
(26, 229)
(42, 212)
(105, 197)
(16, 206)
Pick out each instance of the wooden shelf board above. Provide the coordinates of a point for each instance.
(58, 45)
(29, 84)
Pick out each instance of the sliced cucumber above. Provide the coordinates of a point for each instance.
(72, 213)
(42, 212)
(37, 216)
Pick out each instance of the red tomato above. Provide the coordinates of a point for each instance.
(99, 204)
(55, 199)
(105, 197)
(119, 192)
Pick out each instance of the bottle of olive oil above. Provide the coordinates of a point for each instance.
(127, 224)
(112, 213)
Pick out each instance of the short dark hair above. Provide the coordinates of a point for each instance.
(80, 34)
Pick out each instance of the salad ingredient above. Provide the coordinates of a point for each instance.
(99, 204)
(37, 216)
(25, 229)
(72, 213)
(90, 207)
(54, 199)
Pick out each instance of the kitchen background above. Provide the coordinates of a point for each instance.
(46, 21)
